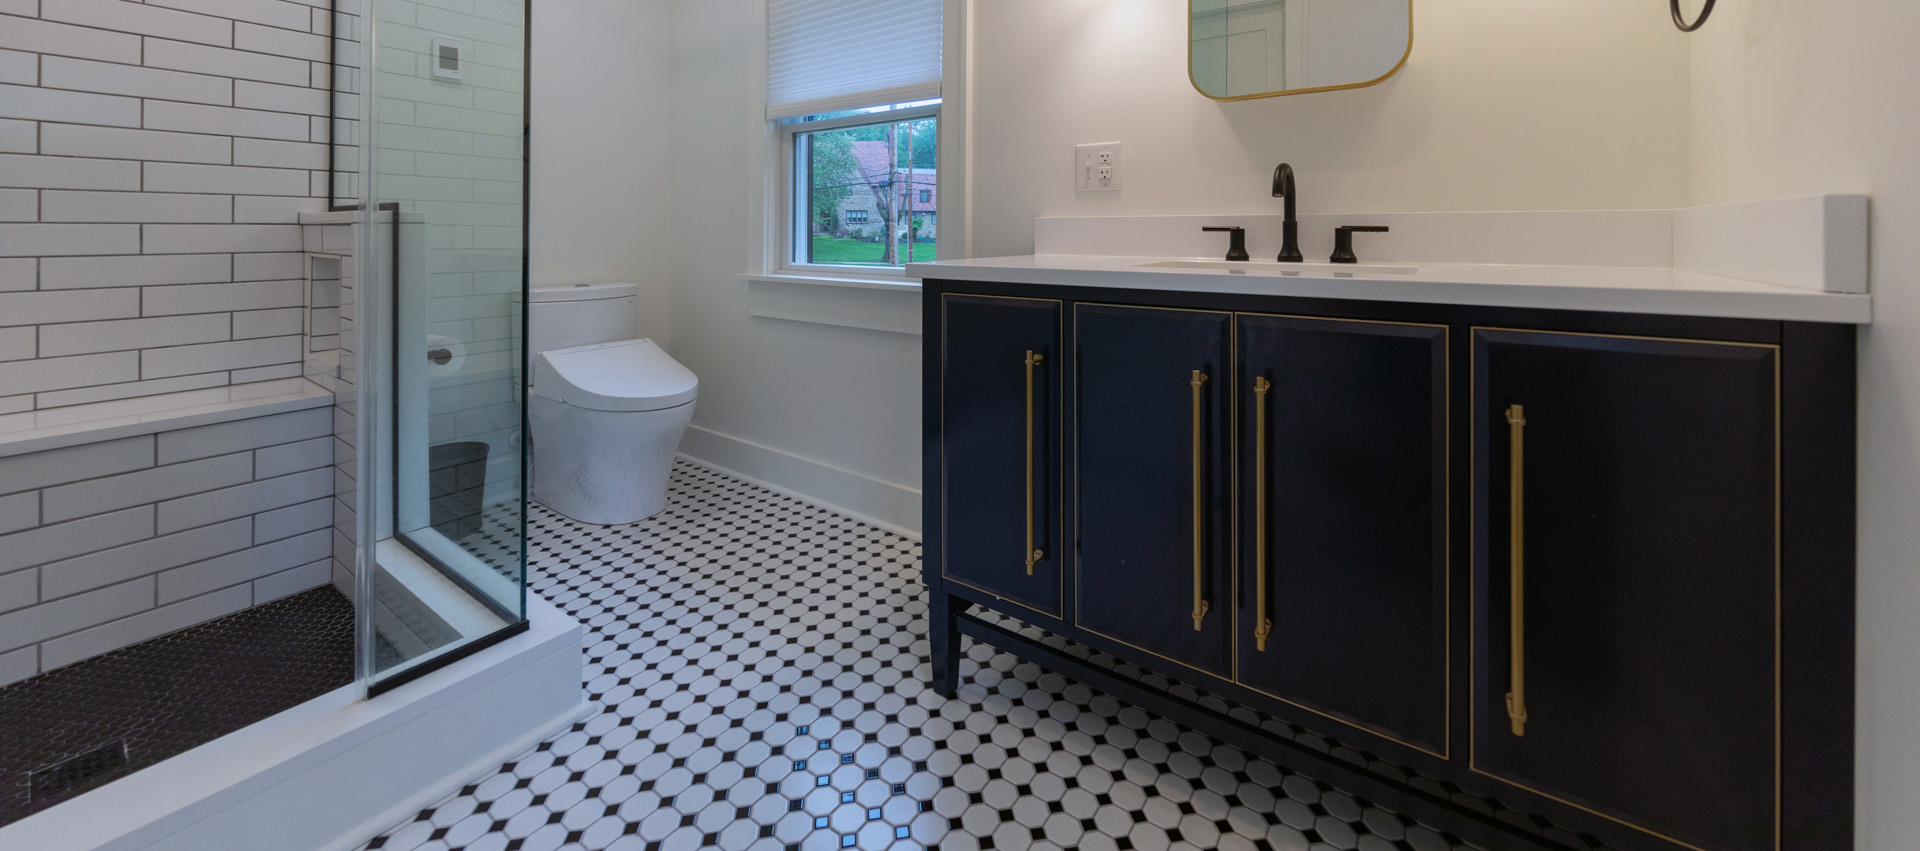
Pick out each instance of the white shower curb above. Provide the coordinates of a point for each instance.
(337, 770)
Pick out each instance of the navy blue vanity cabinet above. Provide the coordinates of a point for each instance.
(1343, 530)
(1153, 518)
(1000, 414)
(1544, 580)
(1627, 572)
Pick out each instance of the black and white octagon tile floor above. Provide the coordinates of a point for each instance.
(757, 671)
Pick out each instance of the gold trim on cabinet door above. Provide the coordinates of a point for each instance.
(1060, 411)
(1074, 520)
(1516, 553)
(1473, 738)
(1199, 507)
(1033, 555)
(1443, 748)
(1263, 625)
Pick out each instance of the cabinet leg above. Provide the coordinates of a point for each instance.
(943, 640)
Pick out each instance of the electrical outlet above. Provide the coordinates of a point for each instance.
(1096, 167)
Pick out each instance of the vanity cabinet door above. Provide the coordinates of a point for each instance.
(1151, 425)
(1000, 432)
(1343, 531)
(1626, 574)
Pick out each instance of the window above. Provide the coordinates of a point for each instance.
(854, 190)
(860, 125)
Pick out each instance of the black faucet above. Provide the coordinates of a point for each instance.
(1290, 230)
(1343, 241)
(1237, 247)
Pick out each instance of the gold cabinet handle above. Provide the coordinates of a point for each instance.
(1517, 642)
(1262, 625)
(1033, 554)
(1199, 508)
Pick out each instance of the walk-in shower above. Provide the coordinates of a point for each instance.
(288, 466)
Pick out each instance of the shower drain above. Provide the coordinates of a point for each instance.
(78, 772)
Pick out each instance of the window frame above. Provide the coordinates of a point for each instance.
(792, 230)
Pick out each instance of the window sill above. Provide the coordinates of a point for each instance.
(824, 278)
(873, 303)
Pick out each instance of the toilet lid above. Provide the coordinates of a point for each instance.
(632, 375)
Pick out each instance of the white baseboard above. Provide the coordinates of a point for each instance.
(887, 505)
(338, 769)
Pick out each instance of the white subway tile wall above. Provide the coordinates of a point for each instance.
(154, 159)
(113, 543)
(331, 363)
(453, 152)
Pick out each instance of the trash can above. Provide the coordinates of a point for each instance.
(456, 487)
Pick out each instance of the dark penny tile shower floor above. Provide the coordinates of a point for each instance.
(756, 668)
(163, 697)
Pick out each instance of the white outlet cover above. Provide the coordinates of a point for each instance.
(1096, 167)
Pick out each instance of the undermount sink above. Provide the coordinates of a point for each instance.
(1289, 270)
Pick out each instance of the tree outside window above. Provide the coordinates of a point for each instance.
(872, 194)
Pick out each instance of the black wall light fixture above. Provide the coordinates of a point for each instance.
(1680, 18)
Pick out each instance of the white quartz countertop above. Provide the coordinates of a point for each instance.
(1594, 288)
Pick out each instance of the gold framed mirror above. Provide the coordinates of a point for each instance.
(1242, 49)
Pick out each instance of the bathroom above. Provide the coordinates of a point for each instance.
(260, 259)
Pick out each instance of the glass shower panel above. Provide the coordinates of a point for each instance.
(448, 177)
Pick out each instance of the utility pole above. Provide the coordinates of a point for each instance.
(889, 256)
(911, 188)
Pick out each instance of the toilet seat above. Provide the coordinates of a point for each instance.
(631, 375)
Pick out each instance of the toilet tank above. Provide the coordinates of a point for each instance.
(581, 315)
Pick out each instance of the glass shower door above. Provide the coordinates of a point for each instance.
(446, 170)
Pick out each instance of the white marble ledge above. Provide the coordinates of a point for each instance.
(56, 428)
(330, 217)
(1591, 288)
(352, 217)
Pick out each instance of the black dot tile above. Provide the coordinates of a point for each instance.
(741, 628)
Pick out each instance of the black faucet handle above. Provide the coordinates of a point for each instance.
(1343, 241)
(1237, 244)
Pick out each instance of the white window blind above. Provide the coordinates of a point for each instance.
(829, 55)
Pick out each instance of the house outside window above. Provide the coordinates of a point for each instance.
(860, 133)
(866, 193)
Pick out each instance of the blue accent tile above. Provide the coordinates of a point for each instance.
(901, 832)
(820, 781)
(847, 841)
(819, 821)
(873, 814)
(799, 765)
(846, 797)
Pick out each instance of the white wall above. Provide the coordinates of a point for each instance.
(1793, 99)
(601, 168)
(1502, 106)
(845, 401)
(1519, 107)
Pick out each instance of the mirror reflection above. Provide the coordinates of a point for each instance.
(1261, 48)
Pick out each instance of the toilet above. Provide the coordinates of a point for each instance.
(607, 408)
